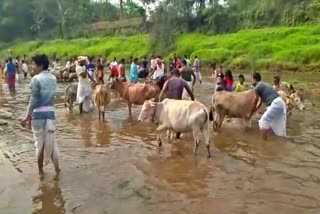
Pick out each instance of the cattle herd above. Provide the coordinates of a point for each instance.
(180, 116)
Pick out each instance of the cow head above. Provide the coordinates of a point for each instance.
(148, 111)
(294, 100)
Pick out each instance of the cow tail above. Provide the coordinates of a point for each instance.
(211, 110)
(207, 116)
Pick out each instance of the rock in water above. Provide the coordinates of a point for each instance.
(3, 122)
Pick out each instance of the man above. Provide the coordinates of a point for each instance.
(41, 114)
(11, 69)
(84, 86)
(196, 66)
(173, 89)
(159, 69)
(282, 86)
(134, 72)
(143, 72)
(187, 60)
(24, 68)
(122, 71)
(153, 63)
(90, 68)
(275, 115)
(187, 74)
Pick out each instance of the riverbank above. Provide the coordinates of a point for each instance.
(278, 48)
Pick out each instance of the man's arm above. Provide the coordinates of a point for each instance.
(164, 91)
(35, 94)
(188, 90)
(256, 105)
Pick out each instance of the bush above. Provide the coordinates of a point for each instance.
(276, 48)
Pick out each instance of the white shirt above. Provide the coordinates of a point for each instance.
(113, 63)
(83, 82)
(153, 63)
(25, 67)
(159, 71)
(68, 65)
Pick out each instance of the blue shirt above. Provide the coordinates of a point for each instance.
(90, 67)
(11, 68)
(43, 89)
(134, 73)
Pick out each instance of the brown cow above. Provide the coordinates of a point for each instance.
(232, 105)
(135, 93)
(102, 98)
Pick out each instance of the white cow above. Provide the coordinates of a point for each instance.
(179, 116)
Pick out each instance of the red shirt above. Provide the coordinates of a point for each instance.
(178, 64)
(228, 81)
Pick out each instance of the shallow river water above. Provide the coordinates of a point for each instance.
(116, 167)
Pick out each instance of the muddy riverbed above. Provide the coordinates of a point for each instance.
(116, 167)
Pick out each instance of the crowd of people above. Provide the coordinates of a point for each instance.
(180, 77)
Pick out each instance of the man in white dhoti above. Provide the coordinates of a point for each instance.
(274, 117)
(84, 88)
(41, 114)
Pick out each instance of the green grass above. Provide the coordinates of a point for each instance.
(278, 48)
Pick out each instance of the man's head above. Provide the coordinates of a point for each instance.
(241, 78)
(10, 59)
(185, 56)
(196, 57)
(276, 80)
(41, 62)
(22, 61)
(176, 72)
(135, 61)
(114, 59)
(184, 62)
(256, 78)
(122, 61)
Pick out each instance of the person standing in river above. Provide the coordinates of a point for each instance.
(187, 74)
(11, 70)
(173, 89)
(275, 117)
(41, 114)
(196, 66)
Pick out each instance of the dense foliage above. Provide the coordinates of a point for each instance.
(288, 35)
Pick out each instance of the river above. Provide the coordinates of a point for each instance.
(116, 167)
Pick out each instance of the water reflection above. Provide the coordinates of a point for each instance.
(49, 200)
(85, 123)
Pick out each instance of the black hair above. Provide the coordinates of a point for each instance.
(229, 74)
(41, 61)
(23, 61)
(122, 61)
(100, 67)
(175, 72)
(10, 59)
(184, 62)
(256, 76)
(213, 65)
(241, 76)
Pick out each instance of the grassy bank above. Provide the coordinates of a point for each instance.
(281, 48)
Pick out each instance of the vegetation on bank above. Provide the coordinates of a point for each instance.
(278, 48)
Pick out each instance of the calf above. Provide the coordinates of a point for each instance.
(70, 95)
(102, 98)
(179, 116)
(291, 101)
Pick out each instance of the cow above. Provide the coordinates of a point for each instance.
(70, 94)
(291, 101)
(135, 93)
(179, 116)
(233, 105)
(102, 98)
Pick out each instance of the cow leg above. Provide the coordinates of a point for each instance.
(206, 138)
(159, 129)
(196, 140)
(129, 107)
(103, 114)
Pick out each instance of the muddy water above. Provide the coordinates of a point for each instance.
(116, 167)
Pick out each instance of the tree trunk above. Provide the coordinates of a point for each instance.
(121, 9)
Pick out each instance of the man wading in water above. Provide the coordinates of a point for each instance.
(41, 114)
(173, 89)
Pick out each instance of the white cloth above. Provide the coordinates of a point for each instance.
(25, 67)
(185, 95)
(153, 63)
(68, 65)
(84, 90)
(198, 75)
(44, 135)
(275, 117)
(159, 71)
(113, 63)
